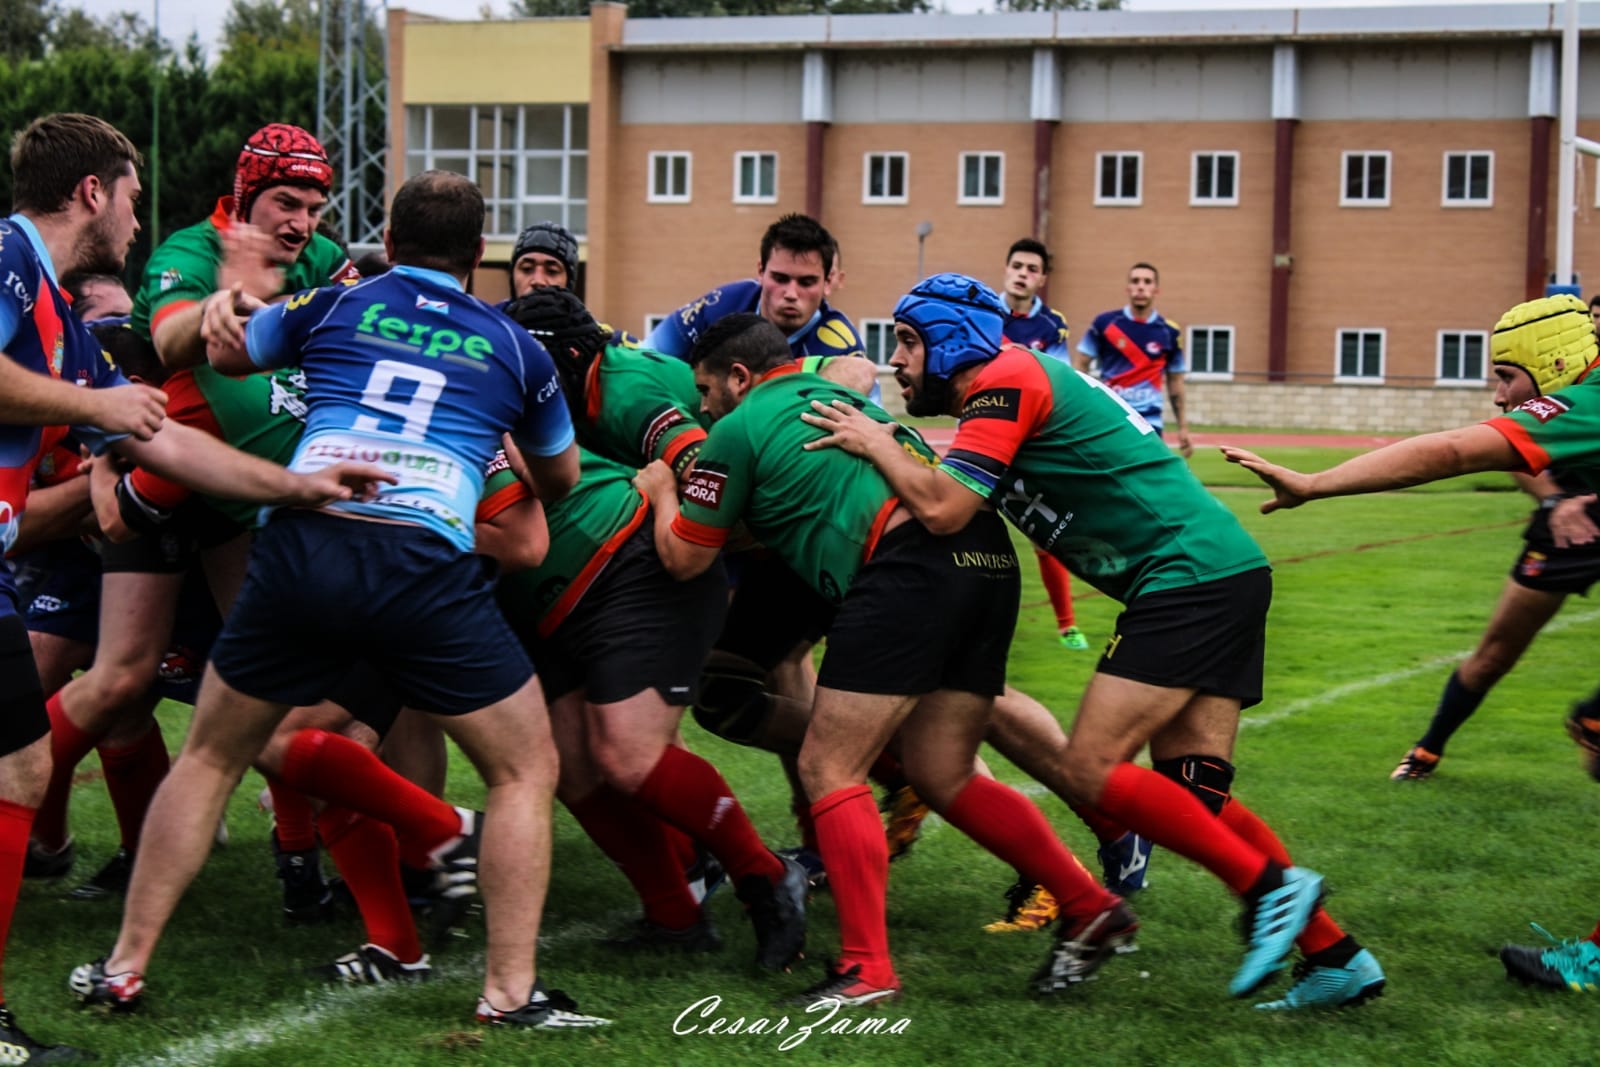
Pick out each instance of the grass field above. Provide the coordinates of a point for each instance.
(1375, 598)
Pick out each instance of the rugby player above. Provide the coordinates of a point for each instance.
(545, 254)
(836, 522)
(410, 369)
(1134, 350)
(1549, 340)
(1085, 476)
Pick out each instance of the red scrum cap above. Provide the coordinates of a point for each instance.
(279, 154)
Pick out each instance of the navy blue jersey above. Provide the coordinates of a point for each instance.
(407, 371)
(1135, 356)
(1042, 328)
(829, 333)
(38, 330)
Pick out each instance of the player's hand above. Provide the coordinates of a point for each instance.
(341, 481)
(136, 410)
(1291, 488)
(223, 317)
(1185, 448)
(655, 480)
(1570, 523)
(247, 262)
(847, 426)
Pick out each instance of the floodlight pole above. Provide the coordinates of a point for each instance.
(1566, 187)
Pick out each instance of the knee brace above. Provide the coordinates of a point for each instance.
(733, 701)
(1209, 778)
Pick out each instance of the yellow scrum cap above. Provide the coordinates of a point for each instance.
(1551, 338)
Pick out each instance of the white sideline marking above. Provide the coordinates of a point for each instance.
(1561, 622)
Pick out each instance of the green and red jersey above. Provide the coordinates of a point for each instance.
(183, 270)
(821, 512)
(1561, 430)
(1088, 480)
(587, 526)
(640, 406)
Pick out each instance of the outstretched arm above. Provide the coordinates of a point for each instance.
(1414, 461)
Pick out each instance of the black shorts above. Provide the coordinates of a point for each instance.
(59, 587)
(1545, 568)
(324, 592)
(928, 613)
(773, 610)
(635, 628)
(194, 629)
(22, 716)
(369, 698)
(1209, 637)
(194, 527)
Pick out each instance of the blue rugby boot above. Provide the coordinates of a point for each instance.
(1270, 926)
(1328, 985)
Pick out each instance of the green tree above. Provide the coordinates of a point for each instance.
(23, 26)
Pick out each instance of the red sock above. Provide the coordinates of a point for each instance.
(1104, 829)
(1001, 820)
(687, 792)
(1058, 583)
(638, 843)
(1321, 932)
(368, 860)
(337, 770)
(15, 823)
(682, 845)
(856, 855)
(294, 819)
(1595, 937)
(133, 774)
(68, 746)
(1173, 818)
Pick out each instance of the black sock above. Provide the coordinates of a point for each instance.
(1456, 706)
(1337, 954)
(1271, 878)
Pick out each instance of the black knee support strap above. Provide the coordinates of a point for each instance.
(1209, 778)
(733, 700)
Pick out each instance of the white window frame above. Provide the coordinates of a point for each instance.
(569, 207)
(1195, 199)
(657, 196)
(650, 324)
(1445, 199)
(1345, 200)
(741, 197)
(1438, 357)
(1338, 355)
(866, 178)
(1233, 354)
(961, 177)
(867, 328)
(1119, 200)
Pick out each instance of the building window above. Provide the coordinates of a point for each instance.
(1117, 177)
(883, 178)
(670, 173)
(1468, 179)
(1366, 179)
(1461, 357)
(1215, 179)
(1360, 356)
(755, 177)
(983, 178)
(877, 335)
(1210, 351)
(531, 162)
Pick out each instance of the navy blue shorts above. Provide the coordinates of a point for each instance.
(22, 716)
(323, 593)
(59, 587)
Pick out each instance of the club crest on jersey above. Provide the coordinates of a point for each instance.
(58, 355)
(705, 488)
(1153, 347)
(170, 278)
(1545, 408)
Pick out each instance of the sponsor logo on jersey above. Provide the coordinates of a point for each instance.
(705, 488)
(170, 278)
(20, 290)
(1532, 565)
(666, 420)
(497, 464)
(1545, 408)
(8, 526)
(993, 404)
(1153, 347)
(425, 339)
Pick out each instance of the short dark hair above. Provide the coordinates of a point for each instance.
(436, 222)
(799, 234)
(52, 154)
(1028, 244)
(134, 354)
(372, 264)
(742, 338)
(1593, 300)
(1151, 267)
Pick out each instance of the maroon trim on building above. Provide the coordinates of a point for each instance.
(1044, 133)
(814, 145)
(1537, 269)
(1282, 260)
